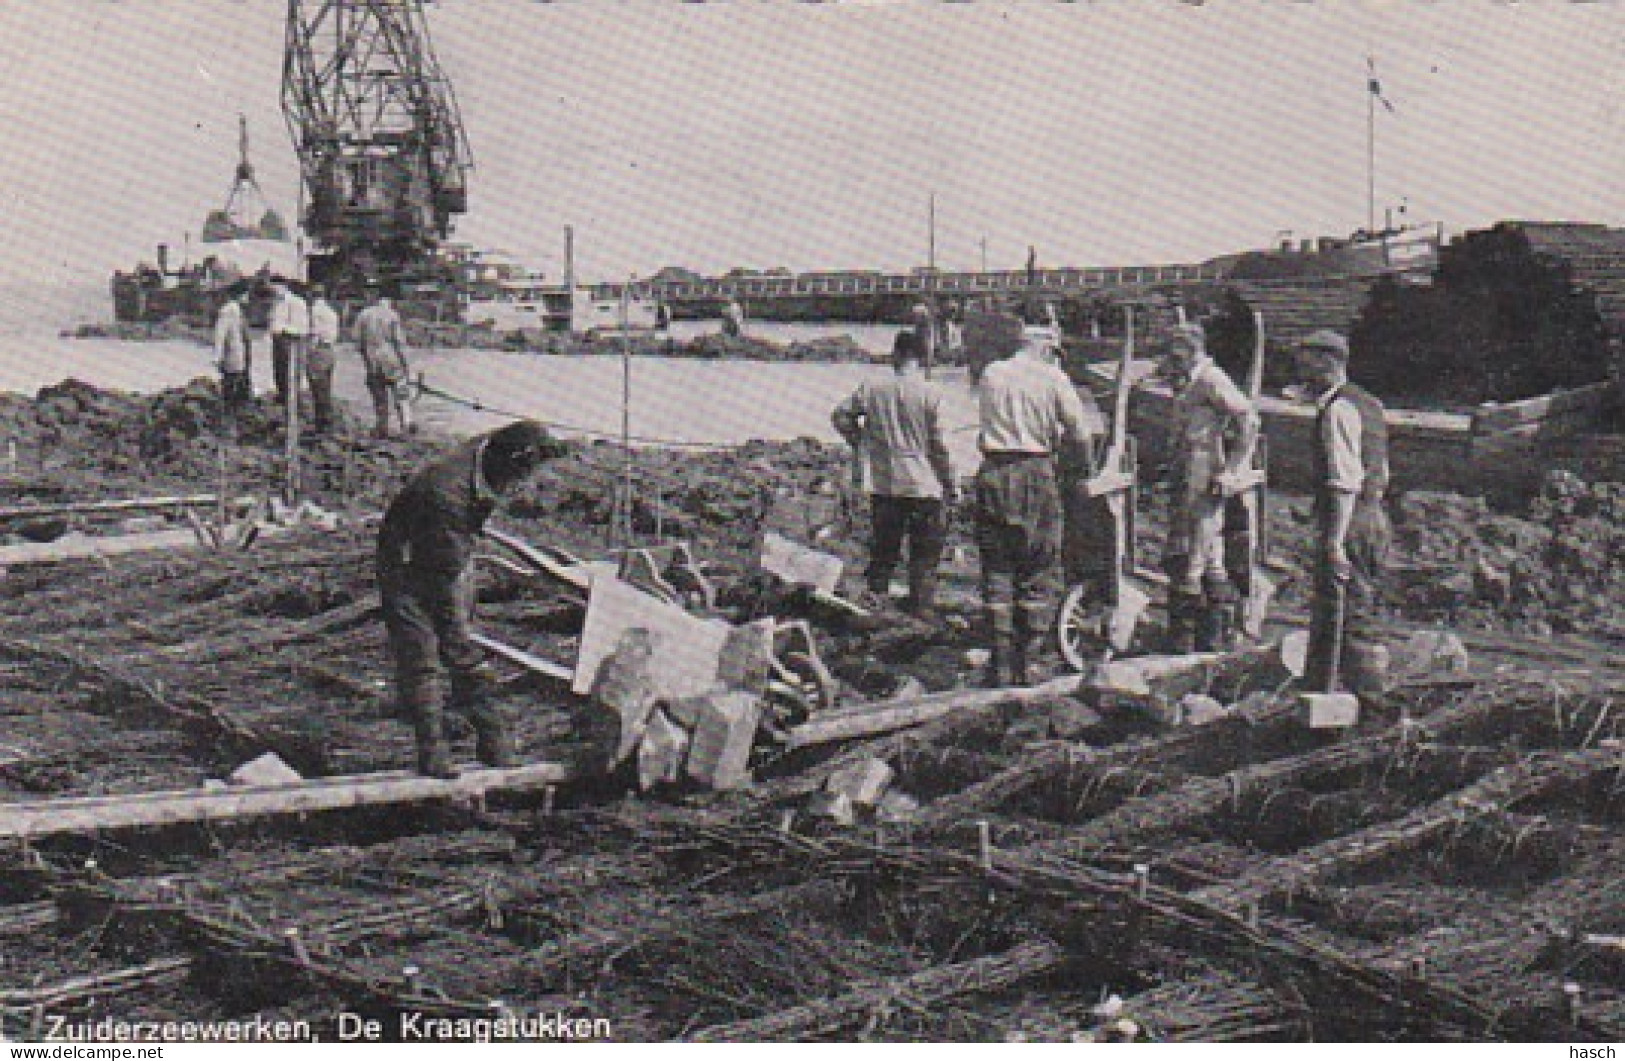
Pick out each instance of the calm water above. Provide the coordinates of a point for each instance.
(671, 399)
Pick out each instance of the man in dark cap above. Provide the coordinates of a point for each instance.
(1352, 530)
(425, 568)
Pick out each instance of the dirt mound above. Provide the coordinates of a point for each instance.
(1559, 566)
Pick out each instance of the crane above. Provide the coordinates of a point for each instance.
(383, 155)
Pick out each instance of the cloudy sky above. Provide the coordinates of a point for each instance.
(811, 136)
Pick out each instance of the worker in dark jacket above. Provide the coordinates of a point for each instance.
(1353, 532)
(425, 553)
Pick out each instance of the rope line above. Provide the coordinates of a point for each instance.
(482, 407)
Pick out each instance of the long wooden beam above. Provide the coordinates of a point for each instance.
(96, 813)
(891, 715)
(132, 504)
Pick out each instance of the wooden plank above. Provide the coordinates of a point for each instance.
(95, 813)
(133, 504)
(84, 547)
(900, 714)
(559, 564)
(530, 662)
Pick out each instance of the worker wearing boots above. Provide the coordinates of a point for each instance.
(1215, 428)
(1030, 414)
(381, 341)
(1353, 534)
(895, 425)
(424, 565)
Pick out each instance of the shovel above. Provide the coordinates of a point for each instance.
(1326, 708)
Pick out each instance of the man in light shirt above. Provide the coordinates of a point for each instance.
(1215, 430)
(1353, 535)
(290, 325)
(1031, 415)
(233, 354)
(895, 425)
(320, 358)
(381, 342)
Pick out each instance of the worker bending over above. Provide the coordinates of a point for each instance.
(1215, 434)
(425, 577)
(896, 426)
(1353, 534)
(1030, 415)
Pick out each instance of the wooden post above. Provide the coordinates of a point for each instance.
(296, 369)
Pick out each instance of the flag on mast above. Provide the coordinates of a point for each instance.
(1374, 85)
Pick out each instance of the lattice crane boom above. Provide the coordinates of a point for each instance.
(383, 155)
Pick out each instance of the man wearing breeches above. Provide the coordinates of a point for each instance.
(1353, 535)
(1030, 415)
(1215, 430)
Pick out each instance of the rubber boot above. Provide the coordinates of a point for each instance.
(1215, 615)
(999, 625)
(434, 757)
(1029, 621)
(1183, 609)
(922, 592)
(493, 745)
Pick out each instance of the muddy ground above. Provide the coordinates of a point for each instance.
(1442, 872)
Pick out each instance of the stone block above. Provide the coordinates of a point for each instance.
(662, 752)
(719, 754)
(268, 769)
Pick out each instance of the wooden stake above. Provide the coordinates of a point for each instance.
(296, 945)
(984, 845)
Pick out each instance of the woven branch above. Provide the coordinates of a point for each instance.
(215, 721)
(82, 990)
(26, 917)
(256, 641)
(920, 990)
(1079, 763)
(599, 946)
(1490, 795)
(1200, 797)
(1215, 1007)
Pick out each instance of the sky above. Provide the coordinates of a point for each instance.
(813, 136)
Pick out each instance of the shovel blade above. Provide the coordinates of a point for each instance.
(1132, 602)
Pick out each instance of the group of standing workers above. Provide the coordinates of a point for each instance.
(304, 331)
(1036, 431)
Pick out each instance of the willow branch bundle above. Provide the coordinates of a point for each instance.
(1097, 905)
(599, 946)
(1534, 775)
(234, 941)
(222, 647)
(27, 917)
(1074, 763)
(83, 990)
(1215, 1008)
(918, 991)
(212, 720)
(1200, 797)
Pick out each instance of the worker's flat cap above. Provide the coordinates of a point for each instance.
(1329, 342)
